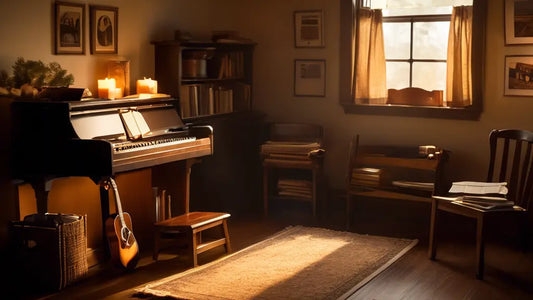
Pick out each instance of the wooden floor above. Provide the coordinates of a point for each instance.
(509, 271)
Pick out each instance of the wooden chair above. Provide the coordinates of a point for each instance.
(415, 96)
(511, 161)
(289, 161)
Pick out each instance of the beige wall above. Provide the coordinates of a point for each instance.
(270, 25)
(25, 28)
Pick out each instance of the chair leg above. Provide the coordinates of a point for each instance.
(192, 245)
(348, 211)
(226, 235)
(480, 247)
(157, 240)
(432, 251)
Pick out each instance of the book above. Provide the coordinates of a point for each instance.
(486, 205)
(135, 124)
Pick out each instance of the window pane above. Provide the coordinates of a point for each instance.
(430, 40)
(397, 40)
(397, 75)
(429, 75)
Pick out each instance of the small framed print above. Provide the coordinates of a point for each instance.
(309, 28)
(69, 28)
(310, 77)
(518, 22)
(518, 75)
(104, 29)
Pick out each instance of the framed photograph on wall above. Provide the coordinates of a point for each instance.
(310, 77)
(518, 22)
(309, 28)
(518, 75)
(104, 29)
(69, 28)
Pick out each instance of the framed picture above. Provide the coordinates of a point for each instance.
(518, 22)
(518, 75)
(309, 28)
(310, 77)
(69, 28)
(104, 29)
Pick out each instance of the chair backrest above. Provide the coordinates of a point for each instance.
(415, 96)
(511, 161)
(296, 132)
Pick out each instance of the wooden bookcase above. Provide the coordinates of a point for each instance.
(208, 78)
(228, 180)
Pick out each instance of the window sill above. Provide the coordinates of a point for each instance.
(468, 113)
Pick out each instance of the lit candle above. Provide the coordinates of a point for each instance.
(106, 88)
(146, 86)
(115, 93)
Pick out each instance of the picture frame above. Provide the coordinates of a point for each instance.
(69, 28)
(104, 29)
(310, 77)
(517, 75)
(309, 29)
(518, 22)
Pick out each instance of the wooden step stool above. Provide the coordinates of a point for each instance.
(192, 224)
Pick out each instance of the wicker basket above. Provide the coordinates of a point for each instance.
(51, 249)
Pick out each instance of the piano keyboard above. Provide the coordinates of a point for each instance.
(145, 145)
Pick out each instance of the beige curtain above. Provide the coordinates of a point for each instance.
(459, 66)
(369, 77)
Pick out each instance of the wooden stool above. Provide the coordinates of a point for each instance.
(192, 224)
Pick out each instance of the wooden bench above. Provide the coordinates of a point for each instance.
(193, 224)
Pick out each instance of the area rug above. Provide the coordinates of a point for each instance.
(296, 263)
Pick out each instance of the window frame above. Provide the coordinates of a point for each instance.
(411, 20)
(472, 112)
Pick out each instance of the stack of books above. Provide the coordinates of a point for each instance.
(366, 177)
(482, 195)
(296, 188)
(289, 150)
(486, 202)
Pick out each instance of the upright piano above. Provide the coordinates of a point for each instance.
(93, 138)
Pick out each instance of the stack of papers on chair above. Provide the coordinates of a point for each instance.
(479, 188)
(291, 148)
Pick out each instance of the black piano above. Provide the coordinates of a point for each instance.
(92, 138)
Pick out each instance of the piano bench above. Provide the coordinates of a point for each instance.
(193, 224)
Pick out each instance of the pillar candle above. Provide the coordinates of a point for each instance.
(146, 86)
(104, 88)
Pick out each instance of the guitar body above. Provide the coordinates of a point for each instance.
(128, 249)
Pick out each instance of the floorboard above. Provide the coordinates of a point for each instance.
(508, 274)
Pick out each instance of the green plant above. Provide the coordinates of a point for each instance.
(37, 74)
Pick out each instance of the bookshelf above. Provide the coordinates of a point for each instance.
(213, 82)
(396, 173)
(208, 78)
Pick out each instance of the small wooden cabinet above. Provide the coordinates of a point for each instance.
(394, 172)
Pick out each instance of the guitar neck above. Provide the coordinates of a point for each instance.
(117, 200)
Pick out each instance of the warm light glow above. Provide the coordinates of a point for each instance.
(146, 86)
(107, 88)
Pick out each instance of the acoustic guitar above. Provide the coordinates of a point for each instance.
(122, 242)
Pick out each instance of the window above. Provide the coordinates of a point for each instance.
(415, 43)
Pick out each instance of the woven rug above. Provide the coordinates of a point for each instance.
(296, 263)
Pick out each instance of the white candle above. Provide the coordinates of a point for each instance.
(106, 88)
(146, 86)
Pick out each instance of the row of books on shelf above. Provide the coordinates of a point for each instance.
(295, 188)
(231, 65)
(366, 177)
(208, 99)
(163, 204)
